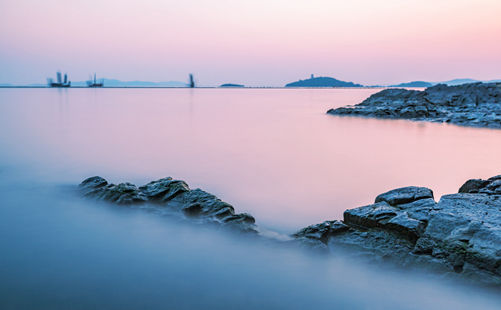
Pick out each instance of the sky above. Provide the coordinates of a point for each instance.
(253, 42)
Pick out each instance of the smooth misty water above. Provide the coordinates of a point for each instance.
(273, 153)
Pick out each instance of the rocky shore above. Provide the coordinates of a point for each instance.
(475, 105)
(174, 195)
(459, 235)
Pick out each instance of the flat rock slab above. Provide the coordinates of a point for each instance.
(475, 105)
(460, 235)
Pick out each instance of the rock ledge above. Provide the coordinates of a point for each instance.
(475, 105)
(173, 194)
(460, 235)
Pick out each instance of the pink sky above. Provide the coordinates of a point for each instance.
(255, 42)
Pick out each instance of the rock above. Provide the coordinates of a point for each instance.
(93, 183)
(193, 210)
(458, 236)
(491, 186)
(467, 228)
(123, 193)
(475, 104)
(321, 232)
(472, 186)
(164, 189)
(405, 195)
(408, 220)
(173, 194)
(461, 234)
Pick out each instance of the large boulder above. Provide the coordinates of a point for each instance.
(196, 205)
(476, 105)
(459, 235)
(465, 229)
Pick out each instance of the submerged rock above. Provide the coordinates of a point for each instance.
(461, 234)
(173, 194)
(475, 104)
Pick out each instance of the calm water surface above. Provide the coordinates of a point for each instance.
(273, 152)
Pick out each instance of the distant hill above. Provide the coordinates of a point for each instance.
(322, 82)
(118, 83)
(231, 85)
(459, 82)
(453, 82)
(414, 84)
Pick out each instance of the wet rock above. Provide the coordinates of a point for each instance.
(472, 186)
(491, 186)
(172, 194)
(461, 234)
(476, 105)
(123, 193)
(467, 228)
(193, 210)
(164, 189)
(93, 183)
(405, 195)
(321, 232)
(407, 220)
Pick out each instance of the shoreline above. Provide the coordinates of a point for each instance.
(405, 227)
(205, 87)
(471, 105)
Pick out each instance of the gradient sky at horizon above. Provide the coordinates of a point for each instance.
(254, 42)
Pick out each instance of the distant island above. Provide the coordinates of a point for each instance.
(311, 82)
(322, 82)
(414, 84)
(231, 85)
(453, 82)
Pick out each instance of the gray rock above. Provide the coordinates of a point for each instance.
(164, 189)
(407, 219)
(172, 194)
(405, 195)
(491, 186)
(476, 105)
(321, 232)
(123, 193)
(467, 228)
(461, 234)
(473, 186)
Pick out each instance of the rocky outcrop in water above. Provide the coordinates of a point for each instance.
(461, 234)
(174, 195)
(476, 105)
